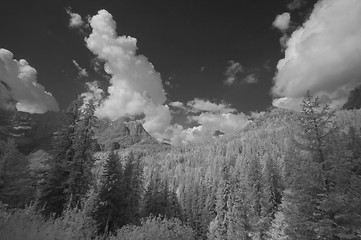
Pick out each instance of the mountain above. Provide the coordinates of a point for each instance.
(122, 134)
(32, 132)
(354, 99)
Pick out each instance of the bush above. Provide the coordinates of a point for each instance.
(155, 228)
(28, 224)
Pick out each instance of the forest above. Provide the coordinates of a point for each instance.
(286, 175)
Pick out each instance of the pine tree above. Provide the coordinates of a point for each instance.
(80, 176)
(109, 212)
(53, 197)
(255, 197)
(133, 183)
(272, 192)
(318, 200)
(222, 205)
(16, 183)
(239, 224)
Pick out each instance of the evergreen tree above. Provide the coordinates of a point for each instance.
(133, 183)
(223, 205)
(109, 212)
(53, 197)
(255, 198)
(239, 224)
(16, 183)
(315, 204)
(80, 176)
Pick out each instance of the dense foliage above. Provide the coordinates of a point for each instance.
(287, 175)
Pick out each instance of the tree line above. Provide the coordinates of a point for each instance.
(287, 175)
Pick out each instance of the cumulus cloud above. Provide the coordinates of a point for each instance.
(233, 69)
(135, 87)
(19, 82)
(323, 56)
(200, 105)
(76, 20)
(93, 93)
(282, 21)
(210, 127)
(212, 121)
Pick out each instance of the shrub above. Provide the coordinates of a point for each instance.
(155, 228)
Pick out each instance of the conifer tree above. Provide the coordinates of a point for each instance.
(239, 224)
(80, 176)
(222, 205)
(53, 197)
(133, 184)
(16, 183)
(109, 213)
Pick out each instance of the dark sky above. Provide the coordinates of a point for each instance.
(190, 43)
(179, 37)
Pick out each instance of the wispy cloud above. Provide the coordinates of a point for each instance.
(81, 71)
(232, 71)
(250, 79)
(76, 20)
(296, 4)
(200, 105)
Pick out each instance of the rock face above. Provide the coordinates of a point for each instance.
(121, 134)
(354, 99)
(32, 132)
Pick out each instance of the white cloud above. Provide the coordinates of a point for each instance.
(82, 71)
(176, 104)
(324, 55)
(282, 21)
(18, 82)
(233, 69)
(200, 105)
(209, 125)
(94, 93)
(75, 19)
(135, 86)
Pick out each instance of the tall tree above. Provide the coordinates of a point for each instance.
(81, 163)
(220, 223)
(109, 212)
(133, 183)
(53, 197)
(16, 183)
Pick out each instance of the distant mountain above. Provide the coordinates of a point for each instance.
(122, 134)
(32, 132)
(354, 99)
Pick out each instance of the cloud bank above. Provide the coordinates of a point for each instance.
(135, 87)
(18, 81)
(323, 56)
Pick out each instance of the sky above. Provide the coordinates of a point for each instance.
(190, 70)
